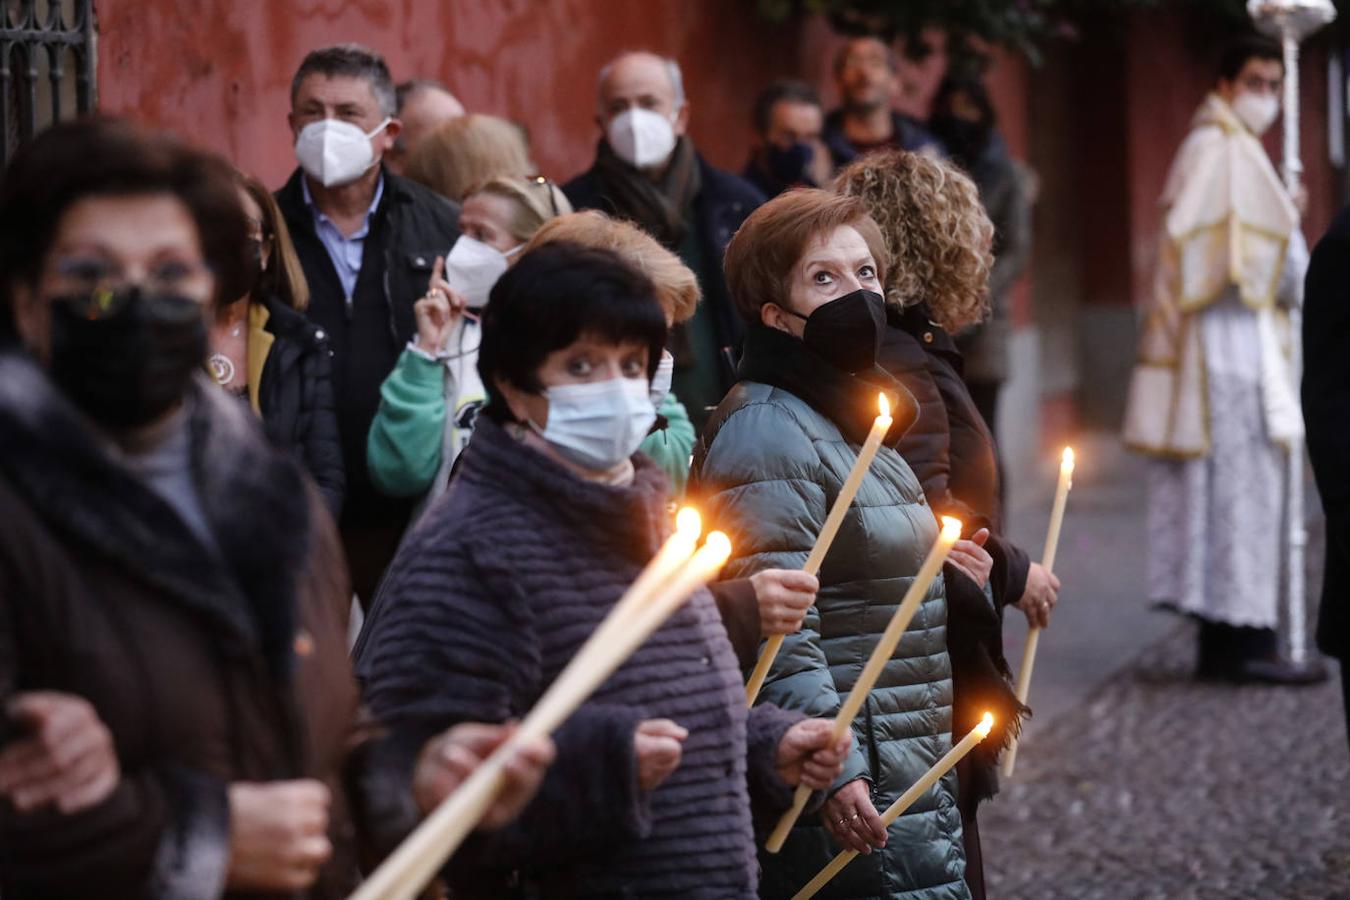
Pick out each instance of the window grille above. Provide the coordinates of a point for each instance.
(47, 60)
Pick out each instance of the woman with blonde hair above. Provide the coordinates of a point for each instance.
(430, 401)
(467, 152)
(269, 355)
(939, 238)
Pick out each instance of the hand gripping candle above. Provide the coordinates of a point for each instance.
(667, 581)
(890, 639)
(903, 802)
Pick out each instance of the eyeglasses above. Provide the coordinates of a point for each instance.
(105, 303)
(98, 289)
(550, 187)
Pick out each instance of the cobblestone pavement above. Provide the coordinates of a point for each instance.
(1146, 784)
(1162, 787)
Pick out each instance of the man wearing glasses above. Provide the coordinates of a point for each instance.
(1212, 400)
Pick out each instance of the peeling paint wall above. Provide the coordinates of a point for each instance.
(218, 71)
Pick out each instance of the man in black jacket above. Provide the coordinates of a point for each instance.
(1326, 412)
(647, 170)
(367, 240)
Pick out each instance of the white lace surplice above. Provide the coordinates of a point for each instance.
(1214, 524)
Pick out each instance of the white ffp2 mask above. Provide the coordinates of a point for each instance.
(472, 268)
(334, 152)
(641, 138)
(600, 424)
(1257, 111)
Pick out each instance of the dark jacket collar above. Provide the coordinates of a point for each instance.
(765, 181)
(285, 322)
(291, 197)
(917, 321)
(255, 501)
(907, 133)
(777, 358)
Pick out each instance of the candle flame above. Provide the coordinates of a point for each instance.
(717, 546)
(1067, 460)
(689, 523)
(951, 529)
(883, 407)
(986, 725)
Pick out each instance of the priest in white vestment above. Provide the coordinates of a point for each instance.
(1212, 399)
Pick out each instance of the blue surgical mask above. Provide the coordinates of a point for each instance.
(600, 424)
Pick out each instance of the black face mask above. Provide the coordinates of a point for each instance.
(847, 331)
(965, 140)
(789, 165)
(126, 358)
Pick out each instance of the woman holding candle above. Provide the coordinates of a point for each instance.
(178, 705)
(806, 271)
(551, 517)
(938, 235)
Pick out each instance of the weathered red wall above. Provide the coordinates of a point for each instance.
(221, 74)
(219, 71)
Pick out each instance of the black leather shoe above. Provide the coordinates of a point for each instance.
(1282, 671)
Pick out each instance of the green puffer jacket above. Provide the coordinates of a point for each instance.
(767, 470)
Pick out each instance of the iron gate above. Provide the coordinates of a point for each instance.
(46, 66)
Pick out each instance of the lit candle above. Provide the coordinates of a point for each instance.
(881, 654)
(674, 553)
(880, 426)
(903, 802)
(408, 869)
(1048, 562)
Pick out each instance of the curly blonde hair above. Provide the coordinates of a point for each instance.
(935, 228)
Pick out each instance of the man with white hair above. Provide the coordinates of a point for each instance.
(647, 170)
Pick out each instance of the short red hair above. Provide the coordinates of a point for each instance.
(763, 253)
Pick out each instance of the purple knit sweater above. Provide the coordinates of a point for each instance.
(490, 596)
